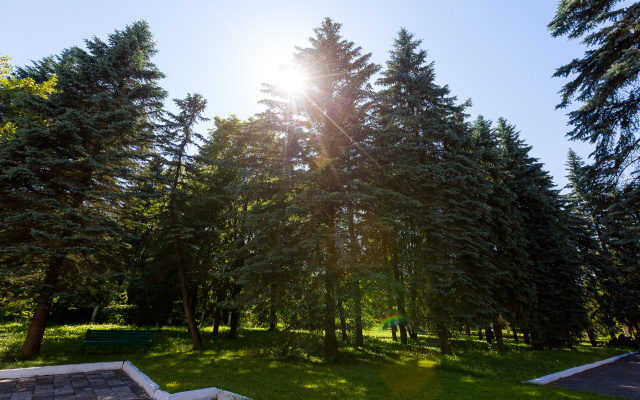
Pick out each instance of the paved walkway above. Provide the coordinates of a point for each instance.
(620, 378)
(101, 385)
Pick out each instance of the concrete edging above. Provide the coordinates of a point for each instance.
(572, 371)
(141, 379)
(149, 386)
(58, 369)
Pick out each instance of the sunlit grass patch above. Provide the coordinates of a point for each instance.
(383, 369)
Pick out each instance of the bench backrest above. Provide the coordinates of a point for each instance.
(117, 335)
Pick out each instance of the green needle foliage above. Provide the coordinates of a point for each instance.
(607, 78)
(514, 289)
(65, 173)
(557, 316)
(179, 166)
(425, 149)
(330, 112)
(605, 81)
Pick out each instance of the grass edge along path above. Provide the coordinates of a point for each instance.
(259, 365)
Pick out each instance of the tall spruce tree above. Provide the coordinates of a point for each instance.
(248, 156)
(330, 113)
(431, 183)
(63, 182)
(179, 167)
(606, 78)
(514, 290)
(605, 296)
(557, 316)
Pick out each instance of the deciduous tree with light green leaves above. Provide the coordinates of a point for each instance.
(10, 88)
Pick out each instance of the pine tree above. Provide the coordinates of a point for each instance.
(431, 186)
(603, 292)
(63, 182)
(179, 166)
(514, 291)
(606, 80)
(248, 157)
(557, 315)
(330, 115)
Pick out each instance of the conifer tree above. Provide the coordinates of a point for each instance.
(432, 183)
(179, 166)
(514, 290)
(248, 157)
(62, 183)
(600, 278)
(557, 315)
(605, 79)
(330, 112)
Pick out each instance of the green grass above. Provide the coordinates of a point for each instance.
(382, 370)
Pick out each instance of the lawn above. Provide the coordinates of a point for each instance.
(253, 365)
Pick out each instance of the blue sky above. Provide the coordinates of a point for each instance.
(499, 53)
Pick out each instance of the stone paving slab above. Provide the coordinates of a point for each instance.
(101, 385)
(620, 378)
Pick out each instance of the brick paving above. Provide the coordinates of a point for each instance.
(620, 378)
(101, 385)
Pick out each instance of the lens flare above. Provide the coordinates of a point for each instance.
(395, 319)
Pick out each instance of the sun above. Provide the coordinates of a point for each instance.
(289, 80)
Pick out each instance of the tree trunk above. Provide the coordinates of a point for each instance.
(497, 328)
(353, 249)
(592, 338)
(233, 325)
(488, 334)
(612, 332)
(35, 333)
(293, 321)
(272, 309)
(413, 296)
(193, 302)
(480, 335)
(358, 310)
(445, 346)
(182, 279)
(343, 322)
(216, 321)
(403, 333)
(467, 330)
(515, 334)
(397, 274)
(394, 334)
(413, 334)
(526, 338)
(186, 304)
(330, 340)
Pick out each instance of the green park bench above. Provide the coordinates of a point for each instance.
(97, 337)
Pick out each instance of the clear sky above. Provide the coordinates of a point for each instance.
(499, 53)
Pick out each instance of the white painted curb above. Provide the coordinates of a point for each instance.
(202, 394)
(224, 395)
(141, 379)
(571, 371)
(149, 386)
(58, 369)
